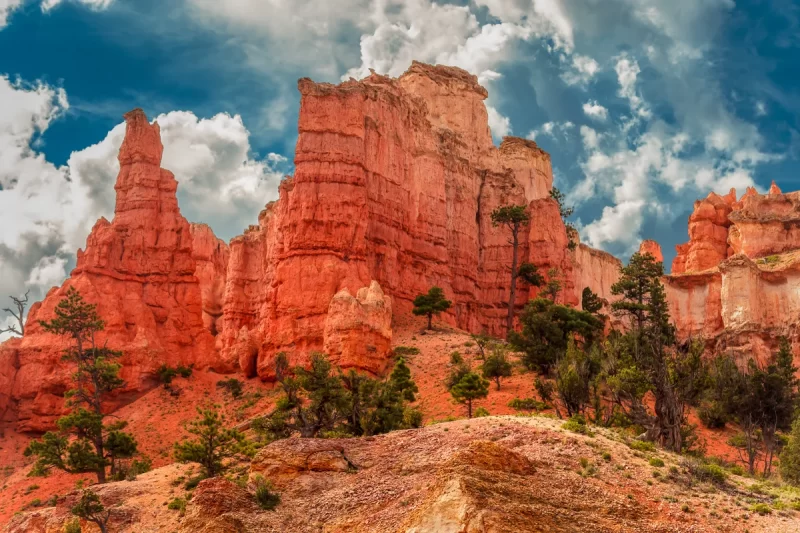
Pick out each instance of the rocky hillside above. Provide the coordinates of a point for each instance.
(495, 474)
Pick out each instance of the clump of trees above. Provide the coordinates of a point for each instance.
(84, 443)
(323, 402)
(469, 388)
(430, 304)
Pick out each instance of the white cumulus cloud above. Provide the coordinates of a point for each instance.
(595, 111)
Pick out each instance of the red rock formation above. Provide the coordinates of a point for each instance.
(395, 181)
(140, 271)
(743, 301)
(652, 248)
(358, 330)
(708, 234)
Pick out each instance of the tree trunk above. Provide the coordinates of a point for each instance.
(430, 318)
(513, 296)
(497, 380)
(469, 408)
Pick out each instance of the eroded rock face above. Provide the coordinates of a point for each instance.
(358, 329)
(653, 248)
(395, 181)
(741, 300)
(140, 271)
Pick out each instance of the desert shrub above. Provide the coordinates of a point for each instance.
(527, 404)
(177, 504)
(266, 498)
(232, 385)
(577, 424)
(545, 389)
(606, 457)
(761, 508)
(184, 371)
(481, 412)
(73, 526)
(193, 481)
(642, 446)
(166, 374)
(655, 461)
(710, 472)
(405, 351)
(413, 417)
(713, 415)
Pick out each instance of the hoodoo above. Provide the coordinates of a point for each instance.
(394, 185)
(735, 282)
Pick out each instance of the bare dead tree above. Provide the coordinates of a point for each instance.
(20, 304)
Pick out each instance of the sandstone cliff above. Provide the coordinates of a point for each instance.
(735, 282)
(395, 181)
(394, 184)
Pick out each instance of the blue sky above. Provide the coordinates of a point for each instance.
(644, 105)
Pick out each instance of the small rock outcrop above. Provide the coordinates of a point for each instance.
(358, 329)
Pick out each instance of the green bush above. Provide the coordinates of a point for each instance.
(481, 412)
(177, 504)
(713, 415)
(761, 508)
(73, 526)
(642, 445)
(233, 386)
(790, 456)
(265, 497)
(655, 461)
(405, 351)
(193, 481)
(577, 424)
(527, 404)
(710, 472)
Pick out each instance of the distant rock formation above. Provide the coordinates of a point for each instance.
(140, 271)
(395, 181)
(736, 281)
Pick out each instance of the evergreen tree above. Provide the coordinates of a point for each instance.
(673, 374)
(790, 456)
(482, 341)
(213, 442)
(401, 382)
(90, 508)
(431, 304)
(470, 388)
(529, 273)
(590, 302)
(546, 330)
(575, 372)
(84, 443)
(565, 213)
(513, 218)
(553, 286)
(496, 366)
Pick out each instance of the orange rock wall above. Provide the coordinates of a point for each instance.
(743, 300)
(394, 184)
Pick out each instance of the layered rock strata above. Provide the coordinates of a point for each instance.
(736, 282)
(394, 184)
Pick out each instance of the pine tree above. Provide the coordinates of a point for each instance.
(514, 218)
(213, 442)
(401, 381)
(790, 456)
(431, 304)
(565, 213)
(496, 366)
(470, 388)
(90, 508)
(590, 302)
(84, 443)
